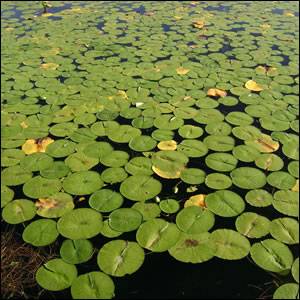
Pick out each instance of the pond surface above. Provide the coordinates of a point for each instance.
(171, 125)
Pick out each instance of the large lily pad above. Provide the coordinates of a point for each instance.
(15, 175)
(248, 178)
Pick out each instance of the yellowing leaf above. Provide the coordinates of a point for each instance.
(264, 143)
(46, 15)
(23, 124)
(39, 145)
(166, 174)
(295, 188)
(46, 203)
(216, 92)
(49, 66)
(253, 86)
(177, 17)
(123, 94)
(289, 14)
(182, 71)
(265, 26)
(9, 29)
(199, 24)
(196, 200)
(167, 145)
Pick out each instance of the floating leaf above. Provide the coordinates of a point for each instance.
(259, 198)
(286, 202)
(287, 291)
(49, 66)
(216, 93)
(39, 145)
(263, 143)
(272, 255)
(56, 275)
(15, 175)
(281, 180)
(148, 210)
(7, 195)
(196, 200)
(119, 257)
(182, 71)
(167, 145)
(295, 269)
(169, 206)
(248, 178)
(80, 223)
(93, 285)
(253, 86)
(218, 181)
(222, 162)
(285, 230)
(192, 176)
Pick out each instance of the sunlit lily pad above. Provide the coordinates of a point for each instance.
(287, 291)
(286, 202)
(218, 181)
(281, 180)
(15, 175)
(269, 162)
(285, 230)
(148, 210)
(248, 178)
(259, 198)
(222, 162)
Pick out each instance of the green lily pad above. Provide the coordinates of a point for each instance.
(192, 176)
(281, 180)
(39, 187)
(285, 230)
(192, 248)
(222, 162)
(157, 235)
(169, 206)
(208, 115)
(293, 168)
(60, 148)
(295, 269)
(82, 183)
(218, 181)
(245, 153)
(248, 178)
(115, 159)
(18, 211)
(15, 175)
(225, 203)
(286, 202)
(252, 225)
(194, 220)
(123, 134)
(76, 251)
(259, 198)
(163, 134)
(57, 169)
(11, 157)
(36, 161)
(40, 233)
(105, 200)
(287, 291)
(291, 150)
(139, 166)
(80, 223)
(119, 257)
(142, 143)
(113, 175)
(93, 285)
(247, 132)
(56, 275)
(219, 143)
(192, 148)
(229, 244)
(218, 128)
(7, 195)
(107, 231)
(80, 162)
(125, 219)
(97, 149)
(190, 131)
(63, 129)
(239, 118)
(169, 122)
(269, 161)
(272, 255)
(54, 206)
(140, 187)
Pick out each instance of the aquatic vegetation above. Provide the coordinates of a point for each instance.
(139, 127)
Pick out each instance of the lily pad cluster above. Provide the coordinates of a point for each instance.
(147, 130)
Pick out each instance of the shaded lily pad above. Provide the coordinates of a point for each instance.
(40, 233)
(295, 269)
(119, 257)
(56, 275)
(80, 223)
(93, 285)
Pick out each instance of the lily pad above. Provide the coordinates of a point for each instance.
(285, 230)
(272, 255)
(40, 233)
(80, 162)
(93, 285)
(192, 248)
(286, 202)
(125, 219)
(115, 159)
(269, 162)
(218, 181)
(219, 143)
(248, 178)
(56, 275)
(15, 175)
(192, 148)
(252, 225)
(76, 251)
(142, 143)
(18, 211)
(295, 269)
(222, 162)
(82, 183)
(194, 220)
(225, 203)
(139, 166)
(61, 148)
(119, 257)
(57, 169)
(245, 153)
(259, 198)
(190, 131)
(148, 210)
(287, 291)
(192, 176)
(80, 223)
(7, 195)
(169, 206)
(140, 187)
(281, 180)
(113, 175)
(157, 235)
(229, 244)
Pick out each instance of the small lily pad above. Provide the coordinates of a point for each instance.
(7, 195)
(259, 198)
(219, 143)
(142, 143)
(295, 269)
(245, 153)
(139, 166)
(169, 206)
(269, 161)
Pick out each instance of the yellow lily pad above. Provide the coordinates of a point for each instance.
(39, 145)
(253, 86)
(23, 124)
(295, 188)
(182, 71)
(46, 15)
(166, 174)
(264, 143)
(196, 200)
(167, 145)
(199, 24)
(49, 66)
(216, 92)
